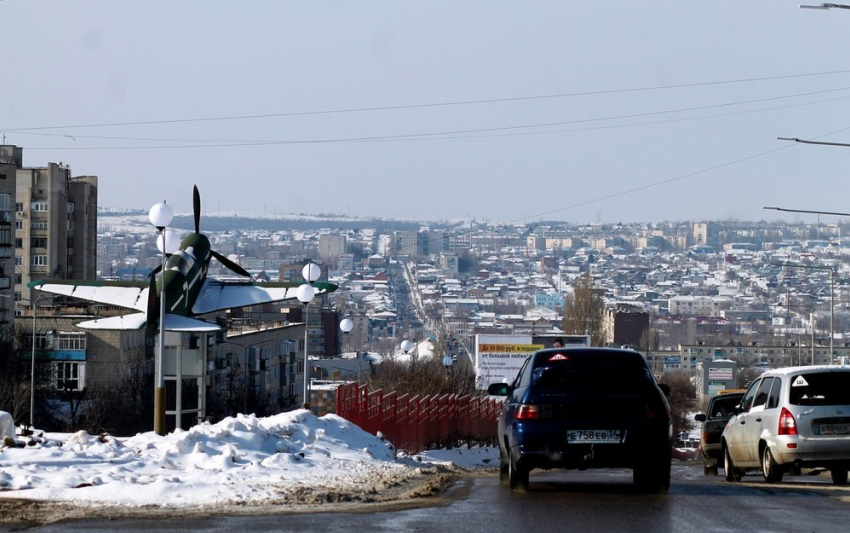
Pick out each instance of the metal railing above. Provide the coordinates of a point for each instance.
(418, 423)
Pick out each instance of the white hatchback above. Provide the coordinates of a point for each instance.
(790, 418)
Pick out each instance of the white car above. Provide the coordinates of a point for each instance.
(790, 418)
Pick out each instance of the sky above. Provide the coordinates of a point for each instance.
(493, 110)
(242, 460)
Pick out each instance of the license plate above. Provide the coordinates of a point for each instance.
(834, 429)
(594, 436)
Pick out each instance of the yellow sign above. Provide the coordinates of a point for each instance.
(509, 348)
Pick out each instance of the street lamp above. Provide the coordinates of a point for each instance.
(346, 325)
(305, 294)
(160, 216)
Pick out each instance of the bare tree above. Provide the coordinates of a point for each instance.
(583, 312)
(682, 400)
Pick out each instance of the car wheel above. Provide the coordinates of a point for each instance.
(709, 470)
(730, 473)
(839, 475)
(517, 474)
(503, 466)
(769, 467)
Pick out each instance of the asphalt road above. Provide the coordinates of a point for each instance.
(590, 501)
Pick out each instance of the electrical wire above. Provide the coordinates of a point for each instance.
(433, 104)
(454, 132)
(668, 180)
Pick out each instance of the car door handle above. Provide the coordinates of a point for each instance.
(758, 419)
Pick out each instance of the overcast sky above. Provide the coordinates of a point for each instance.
(495, 110)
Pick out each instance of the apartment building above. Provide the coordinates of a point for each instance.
(11, 158)
(55, 226)
(331, 246)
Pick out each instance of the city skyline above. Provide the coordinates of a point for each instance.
(616, 112)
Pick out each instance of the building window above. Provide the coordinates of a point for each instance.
(19, 207)
(19, 225)
(70, 340)
(68, 375)
(40, 224)
(39, 206)
(19, 261)
(19, 243)
(38, 242)
(39, 260)
(5, 201)
(18, 278)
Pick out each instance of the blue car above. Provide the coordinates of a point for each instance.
(579, 408)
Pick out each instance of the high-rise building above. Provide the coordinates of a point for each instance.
(56, 226)
(11, 159)
(331, 245)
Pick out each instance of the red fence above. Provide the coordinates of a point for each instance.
(419, 423)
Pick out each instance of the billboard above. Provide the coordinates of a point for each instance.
(498, 358)
(720, 374)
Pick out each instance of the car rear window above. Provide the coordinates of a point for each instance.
(596, 371)
(827, 388)
(722, 407)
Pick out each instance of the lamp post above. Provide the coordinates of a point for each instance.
(32, 361)
(305, 294)
(160, 216)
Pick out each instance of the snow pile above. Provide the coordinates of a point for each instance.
(236, 461)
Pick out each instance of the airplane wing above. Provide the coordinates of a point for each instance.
(136, 321)
(217, 294)
(127, 294)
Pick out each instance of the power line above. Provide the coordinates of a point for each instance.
(669, 180)
(592, 128)
(433, 104)
(456, 132)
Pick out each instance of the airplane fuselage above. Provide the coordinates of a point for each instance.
(184, 274)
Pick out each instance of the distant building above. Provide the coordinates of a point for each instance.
(626, 327)
(56, 226)
(449, 262)
(331, 246)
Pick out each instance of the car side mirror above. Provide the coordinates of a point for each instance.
(699, 417)
(665, 388)
(498, 389)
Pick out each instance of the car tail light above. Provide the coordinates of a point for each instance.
(527, 412)
(787, 424)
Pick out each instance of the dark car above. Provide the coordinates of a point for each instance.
(578, 408)
(720, 409)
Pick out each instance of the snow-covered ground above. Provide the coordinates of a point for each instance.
(286, 458)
